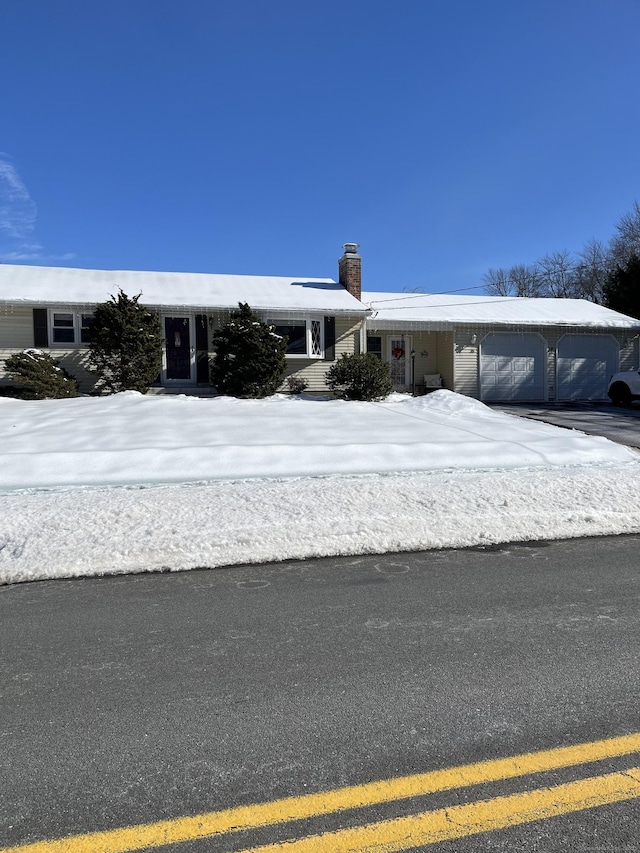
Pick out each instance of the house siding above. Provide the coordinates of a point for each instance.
(446, 363)
(75, 362)
(16, 329)
(425, 345)
(465, 361)
(314, 371)
(16, 334)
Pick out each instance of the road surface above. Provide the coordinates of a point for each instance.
(148, 699)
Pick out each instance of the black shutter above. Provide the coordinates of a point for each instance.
(40, 330)
(202, 348)
(329, 338)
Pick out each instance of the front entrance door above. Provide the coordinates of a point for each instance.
(179, 358)
(399, 361)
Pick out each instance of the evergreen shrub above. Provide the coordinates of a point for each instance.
(360, 377)
(249, 358)
(40, 376)
(125, 345)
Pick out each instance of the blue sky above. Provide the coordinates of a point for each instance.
(257, 136)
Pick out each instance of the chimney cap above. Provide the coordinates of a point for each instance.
(351, 248)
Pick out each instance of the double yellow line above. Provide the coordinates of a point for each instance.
(395, 834)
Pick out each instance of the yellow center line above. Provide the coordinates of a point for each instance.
(160, 833)
(459, 821)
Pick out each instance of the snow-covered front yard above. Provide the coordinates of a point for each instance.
(131, 483)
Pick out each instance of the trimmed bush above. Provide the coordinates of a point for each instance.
(125, 345)
(297, 385)
(40, 376)
(249, 356)
(360, 377)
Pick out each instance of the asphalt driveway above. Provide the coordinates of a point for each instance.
(621, 425)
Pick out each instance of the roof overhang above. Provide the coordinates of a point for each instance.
(452, 325)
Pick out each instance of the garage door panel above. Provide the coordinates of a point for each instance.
(512, 367)
(523, 365)
(585, 363)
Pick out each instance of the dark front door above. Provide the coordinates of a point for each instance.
(176, 332)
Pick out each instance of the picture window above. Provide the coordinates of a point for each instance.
(305, 337)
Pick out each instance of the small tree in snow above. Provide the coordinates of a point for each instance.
(249, 356)
(40, 375)
(125, 345)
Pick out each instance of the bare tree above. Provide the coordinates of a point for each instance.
(498, 283)
(526, 280)
(626, 243)
(519, 280)
(556, 275)
(591, 273)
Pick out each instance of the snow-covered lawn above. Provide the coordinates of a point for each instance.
(132, 483)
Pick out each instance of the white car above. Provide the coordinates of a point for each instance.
(624, 387)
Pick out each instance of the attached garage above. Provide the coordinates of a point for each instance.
(584, 365)
(513, 367)
(509, 348)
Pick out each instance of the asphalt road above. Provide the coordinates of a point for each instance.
(133, 699)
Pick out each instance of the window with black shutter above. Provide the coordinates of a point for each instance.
(329, 338)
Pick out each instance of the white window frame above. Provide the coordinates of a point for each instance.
(76, 327)
(309, 335)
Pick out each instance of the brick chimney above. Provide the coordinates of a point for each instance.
(350, 270)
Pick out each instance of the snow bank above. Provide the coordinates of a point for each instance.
(131, 439)
(131, 483)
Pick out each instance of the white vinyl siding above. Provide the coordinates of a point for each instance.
(445, 358)
(75, 361)
(16, 329)
(464, 353)
(16, 334)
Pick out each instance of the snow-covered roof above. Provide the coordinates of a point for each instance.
(71, 286)
(443, 311)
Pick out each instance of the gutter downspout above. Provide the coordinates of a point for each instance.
(363, 336)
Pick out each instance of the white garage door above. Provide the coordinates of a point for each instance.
(585, 363)
(512, 367)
